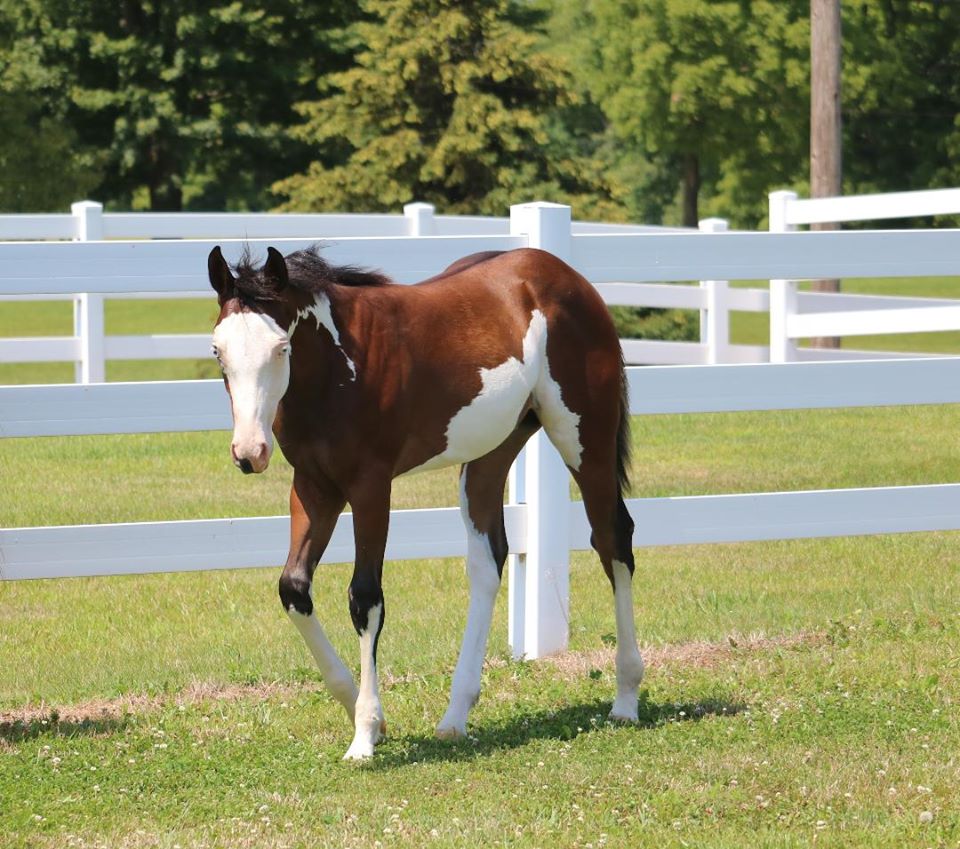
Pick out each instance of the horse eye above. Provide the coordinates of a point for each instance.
(215, 351)
(284, 350)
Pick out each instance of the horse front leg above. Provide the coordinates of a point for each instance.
(314, 509)
(371, 516)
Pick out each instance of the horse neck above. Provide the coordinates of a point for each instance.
(321, 342)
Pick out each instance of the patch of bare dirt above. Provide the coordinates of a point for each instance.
(697, 654)
(107, 709)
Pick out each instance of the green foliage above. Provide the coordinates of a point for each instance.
(644, 323)
(901, 94)
(710, 94)
(648, 110)
(40, 167)
(449, 104)
(188, 101)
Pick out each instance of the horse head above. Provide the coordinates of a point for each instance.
(253, 350)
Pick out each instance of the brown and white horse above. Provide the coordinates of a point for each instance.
(362, 381)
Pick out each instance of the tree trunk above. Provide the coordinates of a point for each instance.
(825, 121)
(691, 190)
(166, 194)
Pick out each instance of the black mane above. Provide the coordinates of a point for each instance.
(307, 270)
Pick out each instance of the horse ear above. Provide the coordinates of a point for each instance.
(276, 268)
(220, 277)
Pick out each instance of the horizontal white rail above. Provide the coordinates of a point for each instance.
(870, 322)
(91, 408)
(53, 226)
(271, 225)
(157, 347)
(794, 386)
(249, 225)
(108, 267)
(764, 256)
(655, 352)
(40, 349)
(191, 405)
(785, 515)
(145, 547)
(111, 267)
(872, 207)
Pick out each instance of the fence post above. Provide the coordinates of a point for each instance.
(715, 319)
(539, 581)
(420, 221)
(88, 322)
(783, 293)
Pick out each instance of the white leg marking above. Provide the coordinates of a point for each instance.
(335, 675)
(369, 716)
(484, 583)
(629, 662)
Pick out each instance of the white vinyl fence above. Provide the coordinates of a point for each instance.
(542, 524)
(90, 347)
(793, 314)
(801, 315)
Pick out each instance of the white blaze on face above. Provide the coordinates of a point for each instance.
(254, 352)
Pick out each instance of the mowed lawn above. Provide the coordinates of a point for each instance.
(798, 692)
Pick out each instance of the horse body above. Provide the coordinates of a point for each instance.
(373, 380)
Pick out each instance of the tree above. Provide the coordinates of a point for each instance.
(450, 103)
(41, 167)
(901, 93)
(189, 100)
(713, 94)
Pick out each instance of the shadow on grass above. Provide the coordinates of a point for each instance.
(563, 724)
(19, 731)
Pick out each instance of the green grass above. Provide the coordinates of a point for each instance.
(839, 728)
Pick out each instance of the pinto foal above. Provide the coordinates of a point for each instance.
(362, 380)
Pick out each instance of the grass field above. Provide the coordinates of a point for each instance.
(798, 693)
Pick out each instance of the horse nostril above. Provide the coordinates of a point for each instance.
(245, 466)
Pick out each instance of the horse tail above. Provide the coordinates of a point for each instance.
(624, 445)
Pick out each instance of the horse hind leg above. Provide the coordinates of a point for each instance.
(481, 505)
(594, 447)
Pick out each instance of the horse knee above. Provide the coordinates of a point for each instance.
(295, 593)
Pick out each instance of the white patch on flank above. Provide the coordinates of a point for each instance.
(369, 713)
(254, 352)
(320, 310)
(629, 662)
(492, 415)
(484, 583)
(336, 676)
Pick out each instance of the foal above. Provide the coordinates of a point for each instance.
(362, 380)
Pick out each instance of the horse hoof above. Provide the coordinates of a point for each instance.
(450, 732)
(359, 751)
(625, 711)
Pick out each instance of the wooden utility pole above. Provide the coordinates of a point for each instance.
(826, 142)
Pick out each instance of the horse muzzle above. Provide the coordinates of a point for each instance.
(251, 459)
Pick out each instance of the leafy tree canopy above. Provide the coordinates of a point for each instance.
(450, 103)
(712, 93)
(188, 100)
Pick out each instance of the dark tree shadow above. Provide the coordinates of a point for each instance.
(19, 731)
(564, 724)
